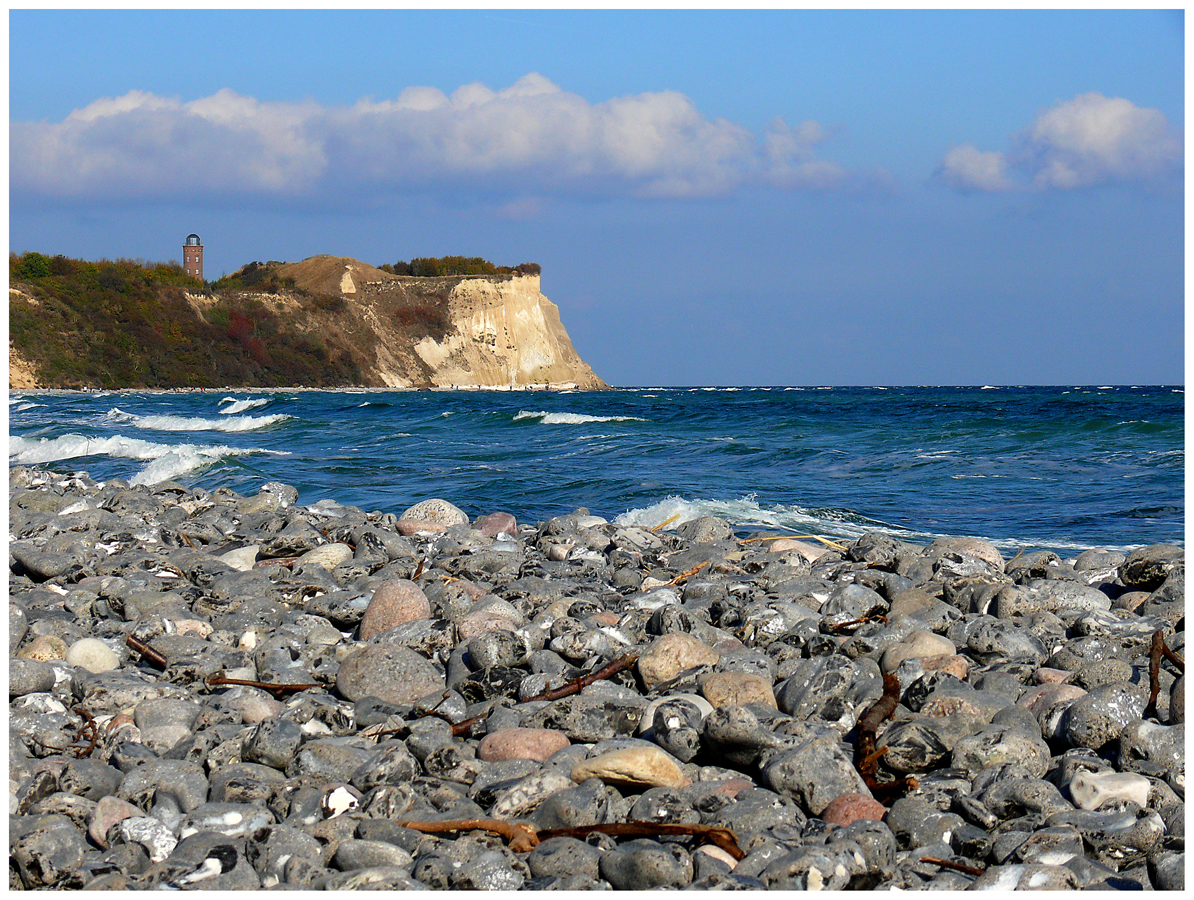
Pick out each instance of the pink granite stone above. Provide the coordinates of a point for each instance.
(847, 808)
(1045, 675)
(497, 523)
(108, 811)
(521, 743)
(394, 603)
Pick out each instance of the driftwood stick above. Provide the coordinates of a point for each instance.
(150, 655)
(1154, 674)
(795, 537)
(565, 690)
(277, 689)
(866, 756)
(957, 867)
(577, 685)
(675, 581)
(521, 838)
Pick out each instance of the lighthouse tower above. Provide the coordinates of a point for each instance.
(192, 256)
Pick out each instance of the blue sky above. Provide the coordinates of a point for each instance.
(716, 197)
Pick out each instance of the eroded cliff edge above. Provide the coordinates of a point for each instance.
(500, 330)
(334, 321)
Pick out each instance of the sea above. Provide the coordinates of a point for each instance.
(1063, 468)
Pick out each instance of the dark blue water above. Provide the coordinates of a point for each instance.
(1060, 468)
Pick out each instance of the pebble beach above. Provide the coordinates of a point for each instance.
(221, 691)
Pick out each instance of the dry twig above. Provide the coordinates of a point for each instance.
(88, 725)
(523, 838)
(833, 545)
(277, 689)
(866, 757)
(675, 581)
(1158, 651)
(146, 651)
(578, 684)
(565, 690)
(957, 867)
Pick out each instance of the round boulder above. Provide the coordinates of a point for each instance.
(394, 603)
(394, 674)
(436, 511)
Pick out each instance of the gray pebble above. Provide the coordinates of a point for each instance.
(640, 865)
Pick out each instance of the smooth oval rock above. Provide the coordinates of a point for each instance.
(632, 767)
(394, 603)
(671, 654)
(521, 743)
(93, 655)
(437, 511)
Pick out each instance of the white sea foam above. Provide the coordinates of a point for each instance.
(829, 523)
(187, 423)
(554, 418)
(165, 461)
(747, 512)
(240, 406)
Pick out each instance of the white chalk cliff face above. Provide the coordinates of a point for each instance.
(505, 333)
(494, 331)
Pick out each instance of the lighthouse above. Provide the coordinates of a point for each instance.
(192, 256)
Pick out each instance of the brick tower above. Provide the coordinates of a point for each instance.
(192, 256)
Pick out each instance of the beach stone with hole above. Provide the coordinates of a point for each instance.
(1101, 716)
(641, 865)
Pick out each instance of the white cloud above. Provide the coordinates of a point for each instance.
(1087, 141)
(790, 159)
(531, 138)
(1093, 138)
(967, 168)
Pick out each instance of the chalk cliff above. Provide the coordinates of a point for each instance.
(483, 331)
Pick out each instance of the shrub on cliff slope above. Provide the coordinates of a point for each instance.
(440, 266)
(130, 324)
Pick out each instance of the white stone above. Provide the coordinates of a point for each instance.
(156, 839)
(327, 556)
(93, 655)
(1091, 790)
(241, 559)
